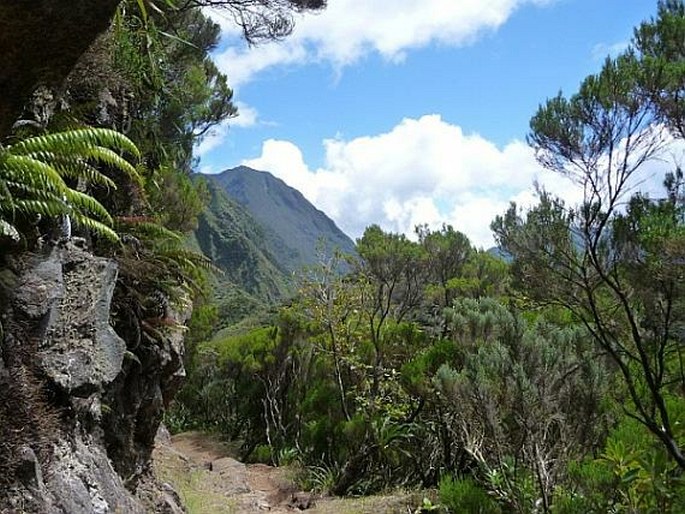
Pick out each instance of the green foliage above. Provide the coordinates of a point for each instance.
(319, 478)
(616, 270)
(465, 495)
(524, 393)
(175, 89)
(36, 173)
(660, 45)
(632, 474)
(153, 258)
(262, 454)
(553, 384)
(447, 252)
(483, 275)
(176, 199)
(230, 237)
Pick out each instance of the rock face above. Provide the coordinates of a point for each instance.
(69, 391)
(33, 52)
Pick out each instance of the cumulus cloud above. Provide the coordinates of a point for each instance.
(348, 30)
(429, 171)
(424, 170)
(247, 116)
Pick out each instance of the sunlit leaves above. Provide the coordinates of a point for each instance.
(40, 176)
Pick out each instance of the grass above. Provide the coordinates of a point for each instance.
(194, 486)
(199, 499)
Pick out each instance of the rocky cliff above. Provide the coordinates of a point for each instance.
(33, 52)
(79, 404)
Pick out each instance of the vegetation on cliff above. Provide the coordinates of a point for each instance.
(554, 383)
(100, 163)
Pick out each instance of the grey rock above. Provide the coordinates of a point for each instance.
(39, 289)
(81, 349)
(83, 481)
(105, 410)
(163, 435)
(29, 471)
(233, 475)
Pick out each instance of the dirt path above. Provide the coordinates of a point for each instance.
(210, 481)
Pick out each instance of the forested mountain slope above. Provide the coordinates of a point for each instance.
(261, 233)
(292, 227)
(251, 277)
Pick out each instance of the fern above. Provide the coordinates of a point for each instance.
(159, 260)
(33, 173)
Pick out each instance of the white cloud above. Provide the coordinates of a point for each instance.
(212, 139)
(247, 116)
(347, 30)
(424, 170)
(603, 50)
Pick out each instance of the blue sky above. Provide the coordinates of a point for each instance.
(412, 111)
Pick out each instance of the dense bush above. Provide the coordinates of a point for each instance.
(466, 496)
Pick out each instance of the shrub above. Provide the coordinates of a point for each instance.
(464, 495)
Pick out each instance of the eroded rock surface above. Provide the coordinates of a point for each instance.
(64, 374)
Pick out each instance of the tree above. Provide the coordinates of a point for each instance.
(660, 44)
(620, 273)
(525, 400)
(393, 269)
(447, 253)
(260, 20)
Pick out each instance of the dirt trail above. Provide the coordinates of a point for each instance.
(204, 472)
(210, 480)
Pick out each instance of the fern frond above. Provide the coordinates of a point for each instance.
(95, 226)
(84, 202)
(35, 173)
(52, 208)
(32, 174)
(74, 166)
(110, 157)
(146, 228)
(8, 230)
(70, 140)
(186, 258)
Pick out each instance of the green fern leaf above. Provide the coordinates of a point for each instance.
(83, 202)
(32, 174)
(8, 230)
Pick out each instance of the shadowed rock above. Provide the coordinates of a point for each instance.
(34, 49)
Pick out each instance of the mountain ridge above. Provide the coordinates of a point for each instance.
(260, 232)
(292, 225)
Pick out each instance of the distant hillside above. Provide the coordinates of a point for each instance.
(290, 224)
(235, 242)
(259, 231)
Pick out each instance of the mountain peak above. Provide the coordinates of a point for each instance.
(292, 226)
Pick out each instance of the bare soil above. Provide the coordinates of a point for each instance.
(210, 481)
